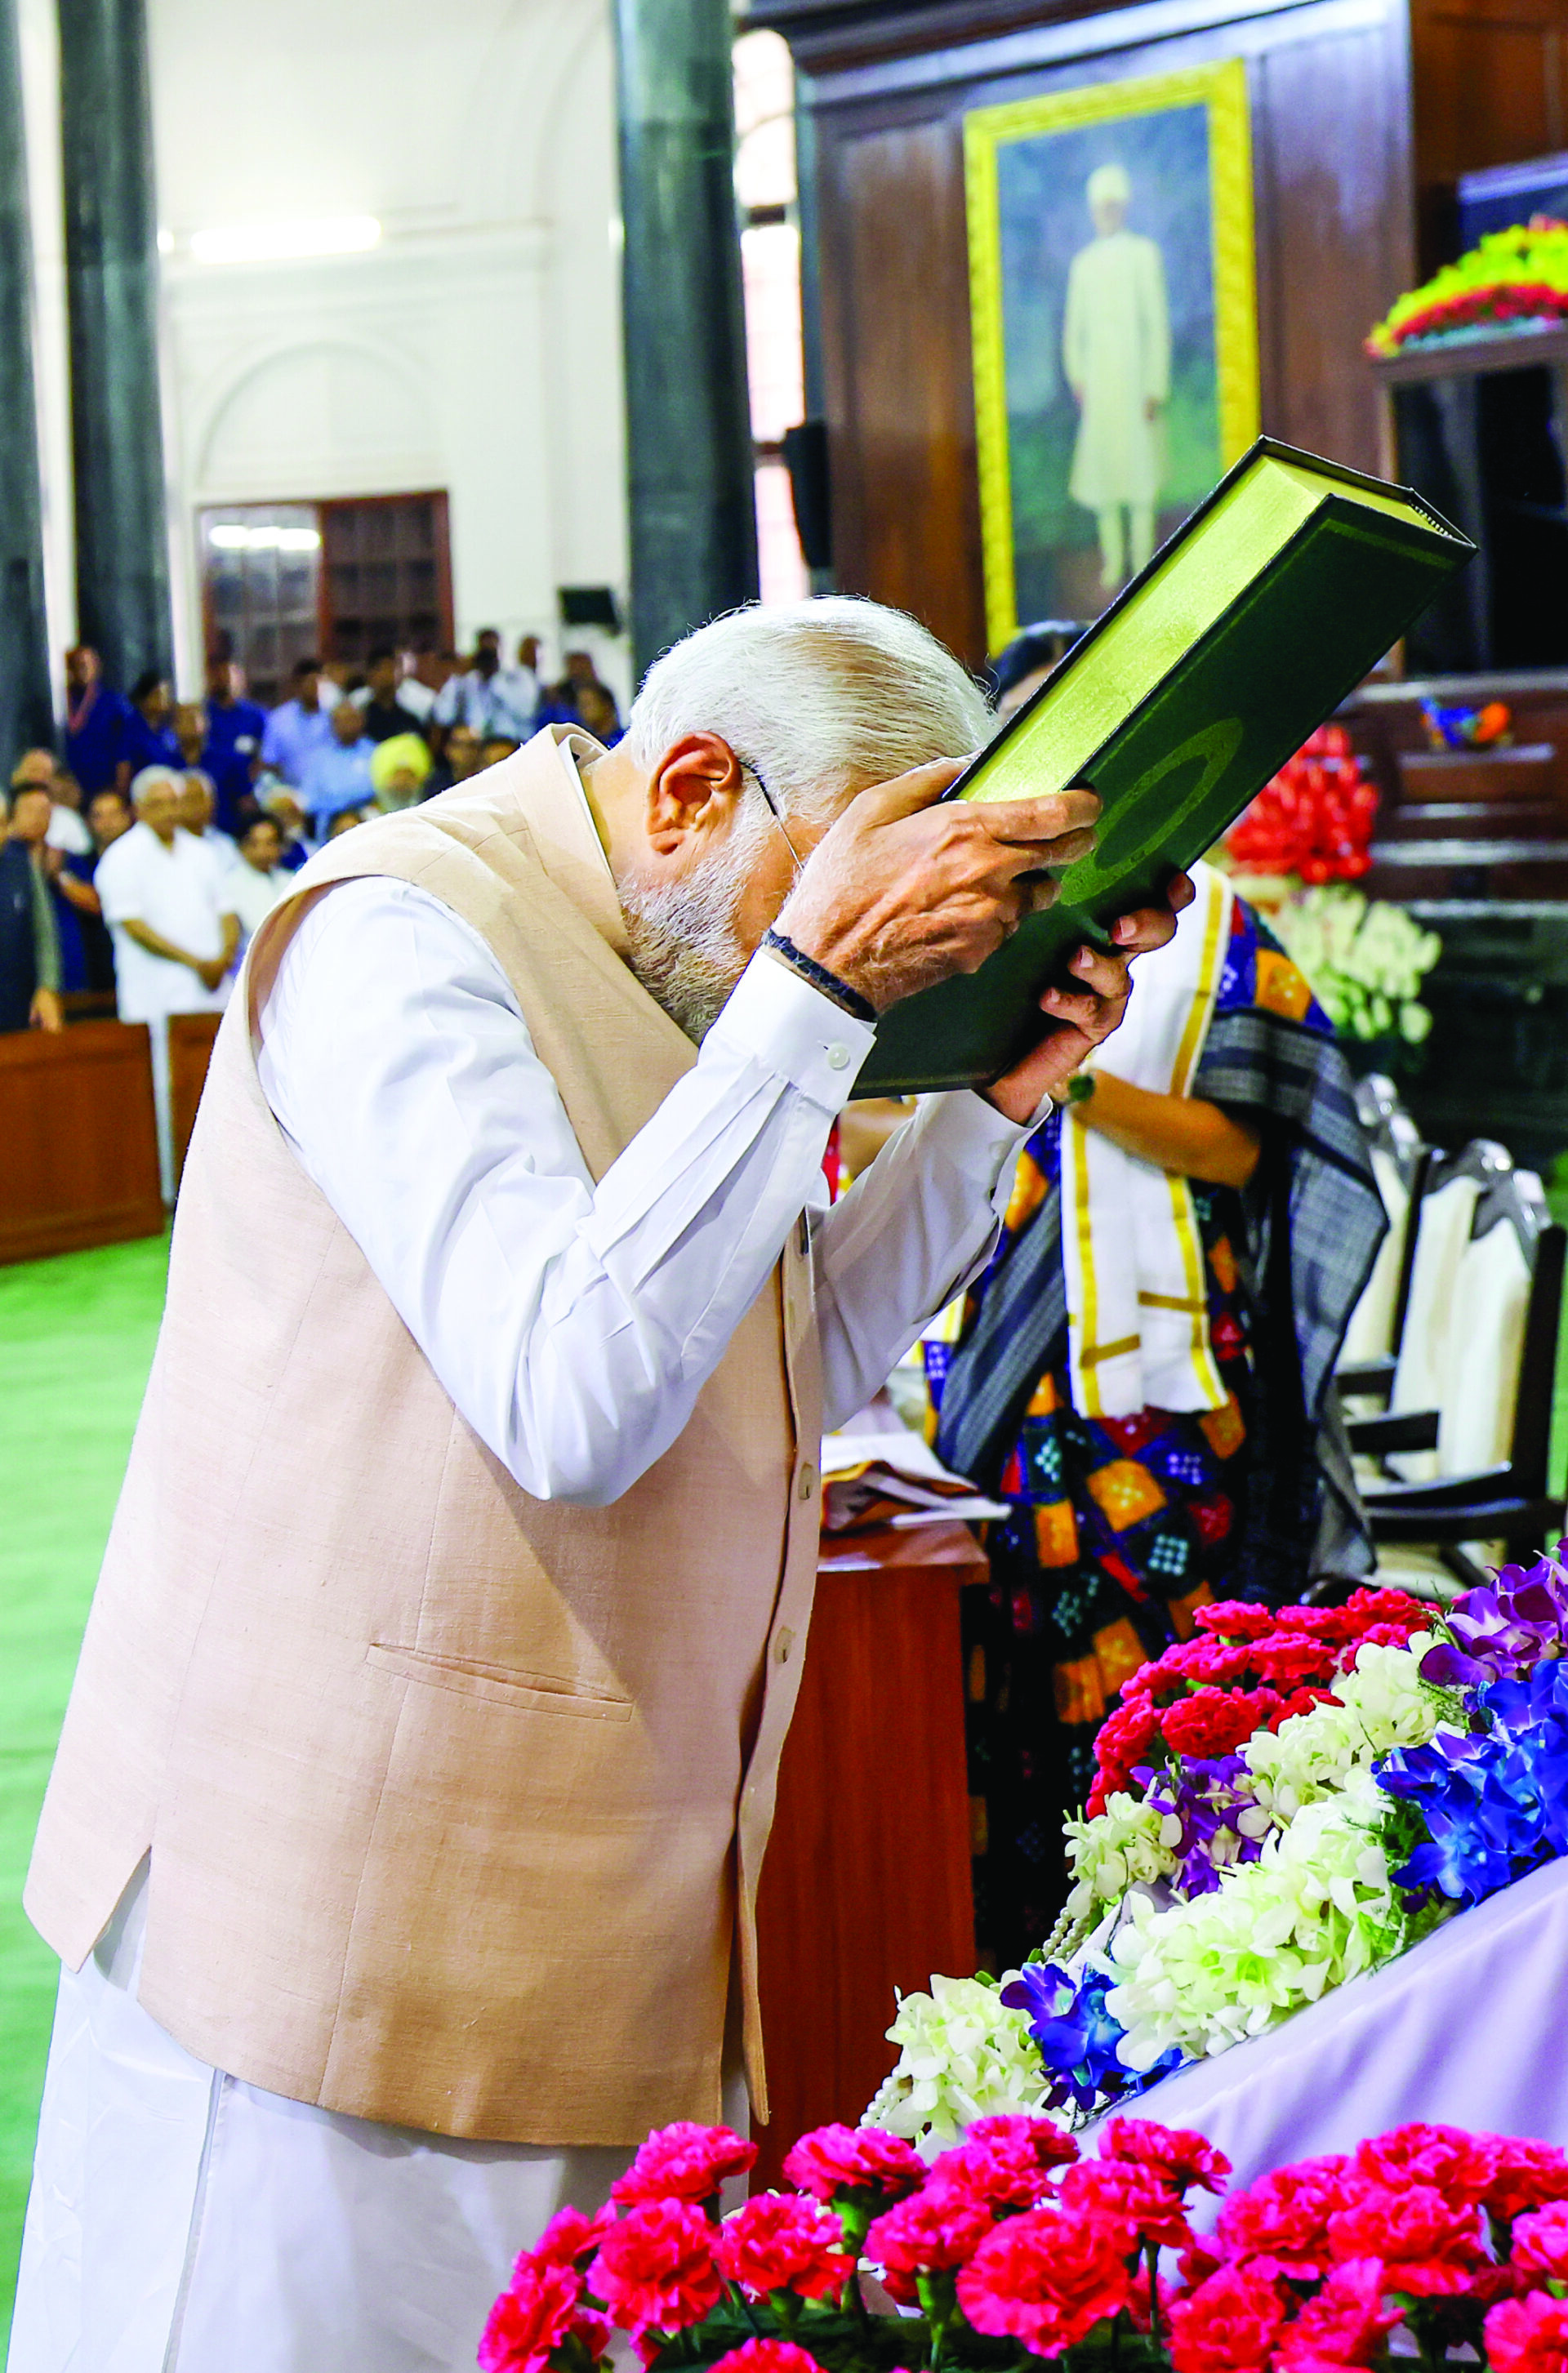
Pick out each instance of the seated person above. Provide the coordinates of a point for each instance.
(597, 713)
(337, 776)
(345, 820)
(259, 877)
(399, 771)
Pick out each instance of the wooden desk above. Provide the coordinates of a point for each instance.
(866, 1887)
(80, 1164)
(191, 1038)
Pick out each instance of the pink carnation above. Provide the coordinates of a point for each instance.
(1235, 1619)
(1282, 2221)
(683, 2162)
(1004, 2162)
(765, 2356)
(1344, 2324)
(1528, 2335)
(1431, 2246)
(1227, 2325)
(1520, 2173)
(541, 2309)
(929, 2234)
(1183, 2160)
(1047, 2279)
(569, 2236)
(1140, 2196)
(854, 2158)
(1452, 2161)
(781, 2241)
(656, 2267)
(1540, 2242)
(1216, 1722)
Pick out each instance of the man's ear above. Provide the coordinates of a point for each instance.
(692, 791)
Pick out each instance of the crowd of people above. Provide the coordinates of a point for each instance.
(135, 865)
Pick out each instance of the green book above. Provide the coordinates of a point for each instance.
(1263, 613)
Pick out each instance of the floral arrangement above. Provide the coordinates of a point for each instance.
(1313, 819)
(1515, 280)
(1012, 2248)
(1281, 1802)
(1365, 959)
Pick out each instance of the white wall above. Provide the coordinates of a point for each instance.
(475, 349)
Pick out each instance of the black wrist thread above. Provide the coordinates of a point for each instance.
(859, 1008)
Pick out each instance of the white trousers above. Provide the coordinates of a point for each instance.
(183, 2222)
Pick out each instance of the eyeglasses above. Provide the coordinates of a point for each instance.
(774, 810)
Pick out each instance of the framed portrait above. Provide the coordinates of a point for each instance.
(1114, 327)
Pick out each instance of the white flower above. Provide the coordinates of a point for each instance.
(1116, 1849)
(965, 2056)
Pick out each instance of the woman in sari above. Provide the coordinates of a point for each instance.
(1145, 1372)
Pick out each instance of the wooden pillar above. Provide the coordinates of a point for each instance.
(112, 281)
(26, 709)
(693, 510)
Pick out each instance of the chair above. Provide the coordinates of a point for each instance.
(1399, 1160)
(1466, 1466)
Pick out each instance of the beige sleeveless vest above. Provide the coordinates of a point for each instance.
(455, 1798)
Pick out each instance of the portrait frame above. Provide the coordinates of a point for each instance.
(988, 134)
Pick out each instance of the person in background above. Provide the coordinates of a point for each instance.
(399, 770)
(147, 737)
(29, 949)
(67, 826)
(283, 805)
(33, 813)
(95, 720)
(301, 726)
(346, 819)
(1160, 1448)
(559, 706)
(494, 702)
(337, 776)
(259, 877)
(496, 747)
(198, 806)
(381, 703)
(461, 756)
(597, 713)
(189, 727)
(166, 900)
(75, 897)
(235, 729)
(424, 671)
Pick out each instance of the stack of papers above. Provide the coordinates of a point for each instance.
(875, 1472)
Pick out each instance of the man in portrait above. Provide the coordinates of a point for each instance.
(1116, 360)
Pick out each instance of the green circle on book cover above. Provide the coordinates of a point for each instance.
(1149, 816)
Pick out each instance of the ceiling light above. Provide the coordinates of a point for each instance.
(264, 539)
(272, 241)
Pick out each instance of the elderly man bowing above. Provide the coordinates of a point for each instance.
(404, 1836)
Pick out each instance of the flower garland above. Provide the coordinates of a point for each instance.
(1280, 1804)
(1514, 279)
(1366, 961)
(1012, 2248)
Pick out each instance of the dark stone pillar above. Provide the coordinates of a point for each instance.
(26, 710)
(112, 278)
(689, 427)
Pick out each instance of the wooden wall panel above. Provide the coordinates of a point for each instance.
(1329, 100)
(1490, 83)
(80, 1164)
(190, 1039)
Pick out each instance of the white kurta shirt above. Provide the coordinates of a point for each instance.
(181, 892)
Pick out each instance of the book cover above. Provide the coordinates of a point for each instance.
(1263, 612)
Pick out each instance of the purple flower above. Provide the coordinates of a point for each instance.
(1497, 1629)
(1077, 2035)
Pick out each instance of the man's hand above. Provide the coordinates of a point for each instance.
(210, 972)
(1085, 1017)
(44, 1012)
(904, 892)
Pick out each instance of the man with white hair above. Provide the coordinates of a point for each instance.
(403, 1846)
(1115, 343)
(164, 897)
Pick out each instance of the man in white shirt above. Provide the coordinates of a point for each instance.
(164, 897)
(589, 1317)
(496, 703)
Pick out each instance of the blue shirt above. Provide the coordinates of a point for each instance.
(146, 745)
(93, 750)
(292, 737)
(335, 779)
(234, 740)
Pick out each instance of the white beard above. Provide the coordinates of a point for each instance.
(683, 941)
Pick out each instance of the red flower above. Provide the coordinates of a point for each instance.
(783, 2241)
(1282, 2219)
(1344, 2324)
(1004, 2163)
(1431, 2246)
(1183, 2160)
(928, 2234)
(1528, 2335)
(1236, 1618)
(1047, 2279)
(1520, 2173)
(854, 2158)
(1140, 2196)
(540, 2310)
(1539, 2244)
(1295, 1658)
(656, 2267)
(1446, 2157)
(1226, 2326)
(766, 2356)
(568, 2235)
(1217, 1721)
(683, 2162)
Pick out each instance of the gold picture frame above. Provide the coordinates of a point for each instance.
(1039, 148)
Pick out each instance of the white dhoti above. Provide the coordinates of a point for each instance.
(182, 2221)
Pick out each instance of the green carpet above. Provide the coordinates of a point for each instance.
(76, 1338)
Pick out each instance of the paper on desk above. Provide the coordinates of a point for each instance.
(874, 1470)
